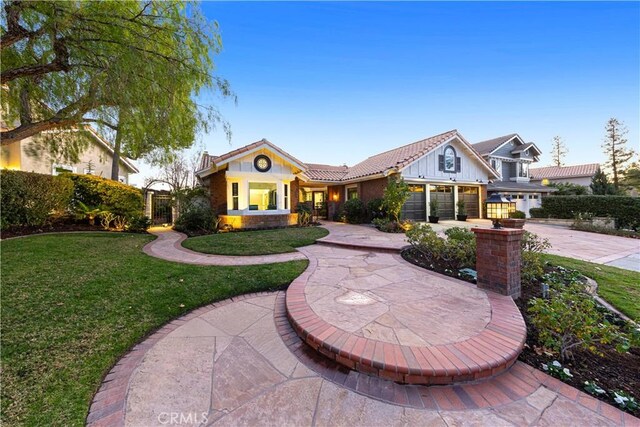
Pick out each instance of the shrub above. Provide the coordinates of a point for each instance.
(433, 207)
(531, 264)
(455, 252)
(30, 199)
(388, 226)
(395, 195)
(537, 213)
(115, 197)
(139, 224)
(570, 319)
(304, 214)
(517, 214)
(375, 209)
(462, 207)
(567, 189)
(354, 211)
(626, 210)
(197, 220)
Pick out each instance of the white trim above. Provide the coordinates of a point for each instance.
(258, 148)
(260, 176)
(247, 212)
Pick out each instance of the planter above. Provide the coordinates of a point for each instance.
(512, 223)
(461, 217)
(433, 219)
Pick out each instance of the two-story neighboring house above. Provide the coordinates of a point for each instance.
(511, 157)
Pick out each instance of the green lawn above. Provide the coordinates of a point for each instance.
(261, 242)
(617, 286)
(73, 304)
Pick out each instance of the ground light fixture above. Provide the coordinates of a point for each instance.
(499, 207)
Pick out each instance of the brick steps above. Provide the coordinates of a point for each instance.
(486, 354)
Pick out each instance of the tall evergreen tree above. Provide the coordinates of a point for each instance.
(600, 184)
(558, 151)
(615, 150)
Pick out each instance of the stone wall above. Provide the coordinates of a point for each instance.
(258, 221)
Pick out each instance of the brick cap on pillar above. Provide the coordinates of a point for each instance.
(499, 233)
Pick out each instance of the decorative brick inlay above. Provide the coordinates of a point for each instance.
(498, 260)
(486, 354)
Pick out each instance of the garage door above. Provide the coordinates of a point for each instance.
(470, 197)
(444, 195)
(415, 207)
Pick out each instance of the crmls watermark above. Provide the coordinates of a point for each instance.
(181, 418)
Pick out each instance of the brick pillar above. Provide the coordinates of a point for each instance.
(498, 260)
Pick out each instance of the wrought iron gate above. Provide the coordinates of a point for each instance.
(161, 209)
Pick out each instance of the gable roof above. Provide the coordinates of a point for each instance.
(401, 157)
(524, 147)
(555, 172)
(127, 162)
(490, 145)
(208, 161)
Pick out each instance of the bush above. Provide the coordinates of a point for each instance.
(395, 195)
(517, 214)
(30, 199)
(375, 209)
(197, 220)
(538, 213)
(455, 252)
(388, 226)
(115, 197)
(354, 211)
(626, 210)
(139, 224)
(304, 214)
(531, 264)
(570, 319)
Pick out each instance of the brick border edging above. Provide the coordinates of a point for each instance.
(108, 405)
(362, 246)
(514, 384)
(488, 353)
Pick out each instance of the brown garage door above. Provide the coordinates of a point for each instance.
(415, 206)
(444, 195)
(470, 197)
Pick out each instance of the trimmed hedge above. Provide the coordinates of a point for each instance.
(626, 210)
(31, 199)
(115, 197)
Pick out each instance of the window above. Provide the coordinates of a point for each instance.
(122, 179)
(262, 196)
(286, 196)
(523, 170)
(533, 197)
(234, 195)
(448, 162)
(57, 169)
(352, 193)
(494, 164)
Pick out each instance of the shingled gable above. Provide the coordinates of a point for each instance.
(209, 163)
(396, 160)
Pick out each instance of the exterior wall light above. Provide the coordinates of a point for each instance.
(498, 207)
(335, 197)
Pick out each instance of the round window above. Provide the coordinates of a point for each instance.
(262, 163)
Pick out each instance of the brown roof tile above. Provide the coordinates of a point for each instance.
(325, 172)
(555, 172)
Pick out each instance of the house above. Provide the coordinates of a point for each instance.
(577, 174)
(511, 158)
(260, 185)
(29, 156)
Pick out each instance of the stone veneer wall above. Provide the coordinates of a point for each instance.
(258, 221)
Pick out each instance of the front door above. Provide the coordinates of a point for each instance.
(319, 205)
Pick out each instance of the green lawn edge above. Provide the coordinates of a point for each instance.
(619, 287)
(66, 324)
(259, 242)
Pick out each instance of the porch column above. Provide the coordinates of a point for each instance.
(148, 206)
(498, 256)
(455, 200)
(427, 188)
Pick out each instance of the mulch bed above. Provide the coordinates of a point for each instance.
(613, 371)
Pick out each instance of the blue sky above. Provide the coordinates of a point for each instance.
(335, 82)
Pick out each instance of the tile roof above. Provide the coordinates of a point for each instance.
(486, 147)
(398, 157)
(325, 172)
(555, 172)
(209, 160)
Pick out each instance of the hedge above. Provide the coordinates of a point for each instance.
(31, 199)
(626, 210)
(113, 196)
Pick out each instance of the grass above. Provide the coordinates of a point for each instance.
(73, 304)
(263, 242)
(618, 286)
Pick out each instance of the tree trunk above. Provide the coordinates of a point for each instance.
(115, 164)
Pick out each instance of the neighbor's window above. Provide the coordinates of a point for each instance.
(262, 196)
(286, 196)
(352, 193)
(234, 195)
(57, 169)
(523, 170)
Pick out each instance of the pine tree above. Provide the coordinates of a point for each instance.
(615, 150)
(558, 151)
(600, 184)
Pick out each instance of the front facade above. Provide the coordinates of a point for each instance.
(29, 156)
(512, 158)
(260, 185)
